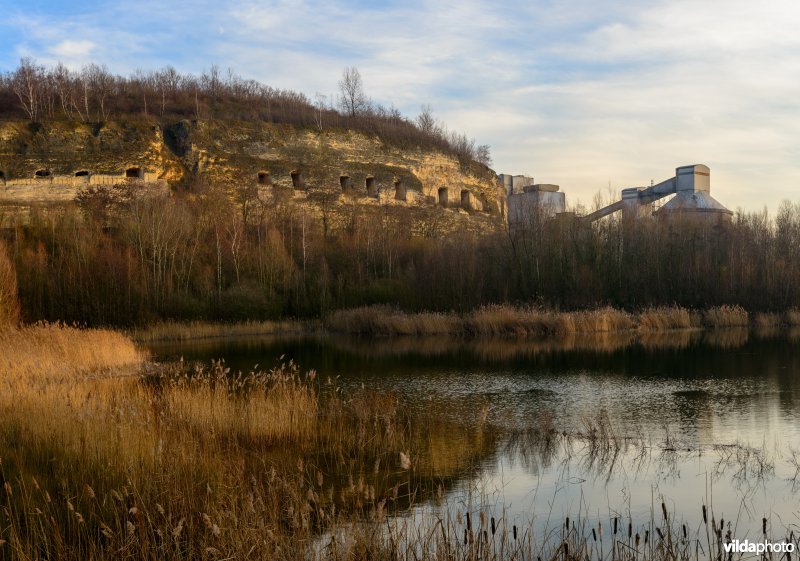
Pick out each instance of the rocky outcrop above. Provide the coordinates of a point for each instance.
(328, 171)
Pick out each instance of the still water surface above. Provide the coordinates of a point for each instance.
(713, 417)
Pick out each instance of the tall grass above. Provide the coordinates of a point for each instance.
(46, 352)
(9, 301)
(726, 316)
(517, 321)
(184, 331)
(193, 462)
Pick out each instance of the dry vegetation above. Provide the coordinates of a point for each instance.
(183, 331)
(9, 304)
(503, 320)
(196, 463)
(190, 462)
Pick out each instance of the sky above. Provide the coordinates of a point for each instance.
(592, 95)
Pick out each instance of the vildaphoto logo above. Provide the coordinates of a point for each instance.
(746, 546)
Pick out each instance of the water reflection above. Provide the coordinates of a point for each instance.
(586, 424)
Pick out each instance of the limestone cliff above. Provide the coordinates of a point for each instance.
(333, 170)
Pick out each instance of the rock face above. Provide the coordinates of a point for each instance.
(328, 171)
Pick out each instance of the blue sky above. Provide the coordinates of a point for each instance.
(585, 94)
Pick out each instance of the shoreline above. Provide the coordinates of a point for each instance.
(496, 321)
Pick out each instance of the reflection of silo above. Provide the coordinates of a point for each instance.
(693, 198)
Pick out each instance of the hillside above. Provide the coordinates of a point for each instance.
(265, 163)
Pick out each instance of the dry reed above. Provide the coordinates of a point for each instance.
(726, 316)
(184, 331)
(9, 302)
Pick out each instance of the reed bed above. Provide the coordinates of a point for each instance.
(767, 320)
(792, 317)
(184, 331)
(197, 462)
(55, 351)
(517, 321)
(726, 316)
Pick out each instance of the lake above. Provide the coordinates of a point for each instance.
(694, 418)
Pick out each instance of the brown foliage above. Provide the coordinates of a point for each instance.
(9, 301)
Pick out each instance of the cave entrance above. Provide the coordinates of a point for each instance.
(297, 180)
(465, 202)
(263, 178)
(133, 173)
(369, 183)
(443, 196)
(344, 182)
(42, 173)
(82, 173)
(399, 191)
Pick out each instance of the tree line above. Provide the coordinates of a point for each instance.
(94, 95)
(122, 257)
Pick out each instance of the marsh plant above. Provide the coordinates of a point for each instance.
(104, 455)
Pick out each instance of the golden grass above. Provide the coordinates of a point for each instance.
(52, 351)
(9, 303)
(499, 320)
(384, 320)
(666, 318)
(726, 316)
(184, 331)
(792, 317)
(767, 320)
(191, 462)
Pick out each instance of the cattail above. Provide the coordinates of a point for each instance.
(764, 526)
(684, 531)
(469, 522)
(106, 531)
(660, 533)
(566, 524)
(176, 532)
(465, 536)
(637, 539)
(493, 528)
(615, 526)
(630, 530)
(705, 517)
(594, 535)
(664, 510)
(515, 532)
(646, 536)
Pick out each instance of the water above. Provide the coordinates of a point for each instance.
(700, 418)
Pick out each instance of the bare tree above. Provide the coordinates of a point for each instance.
(353, 101)
(426, 121)
(26, 83)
